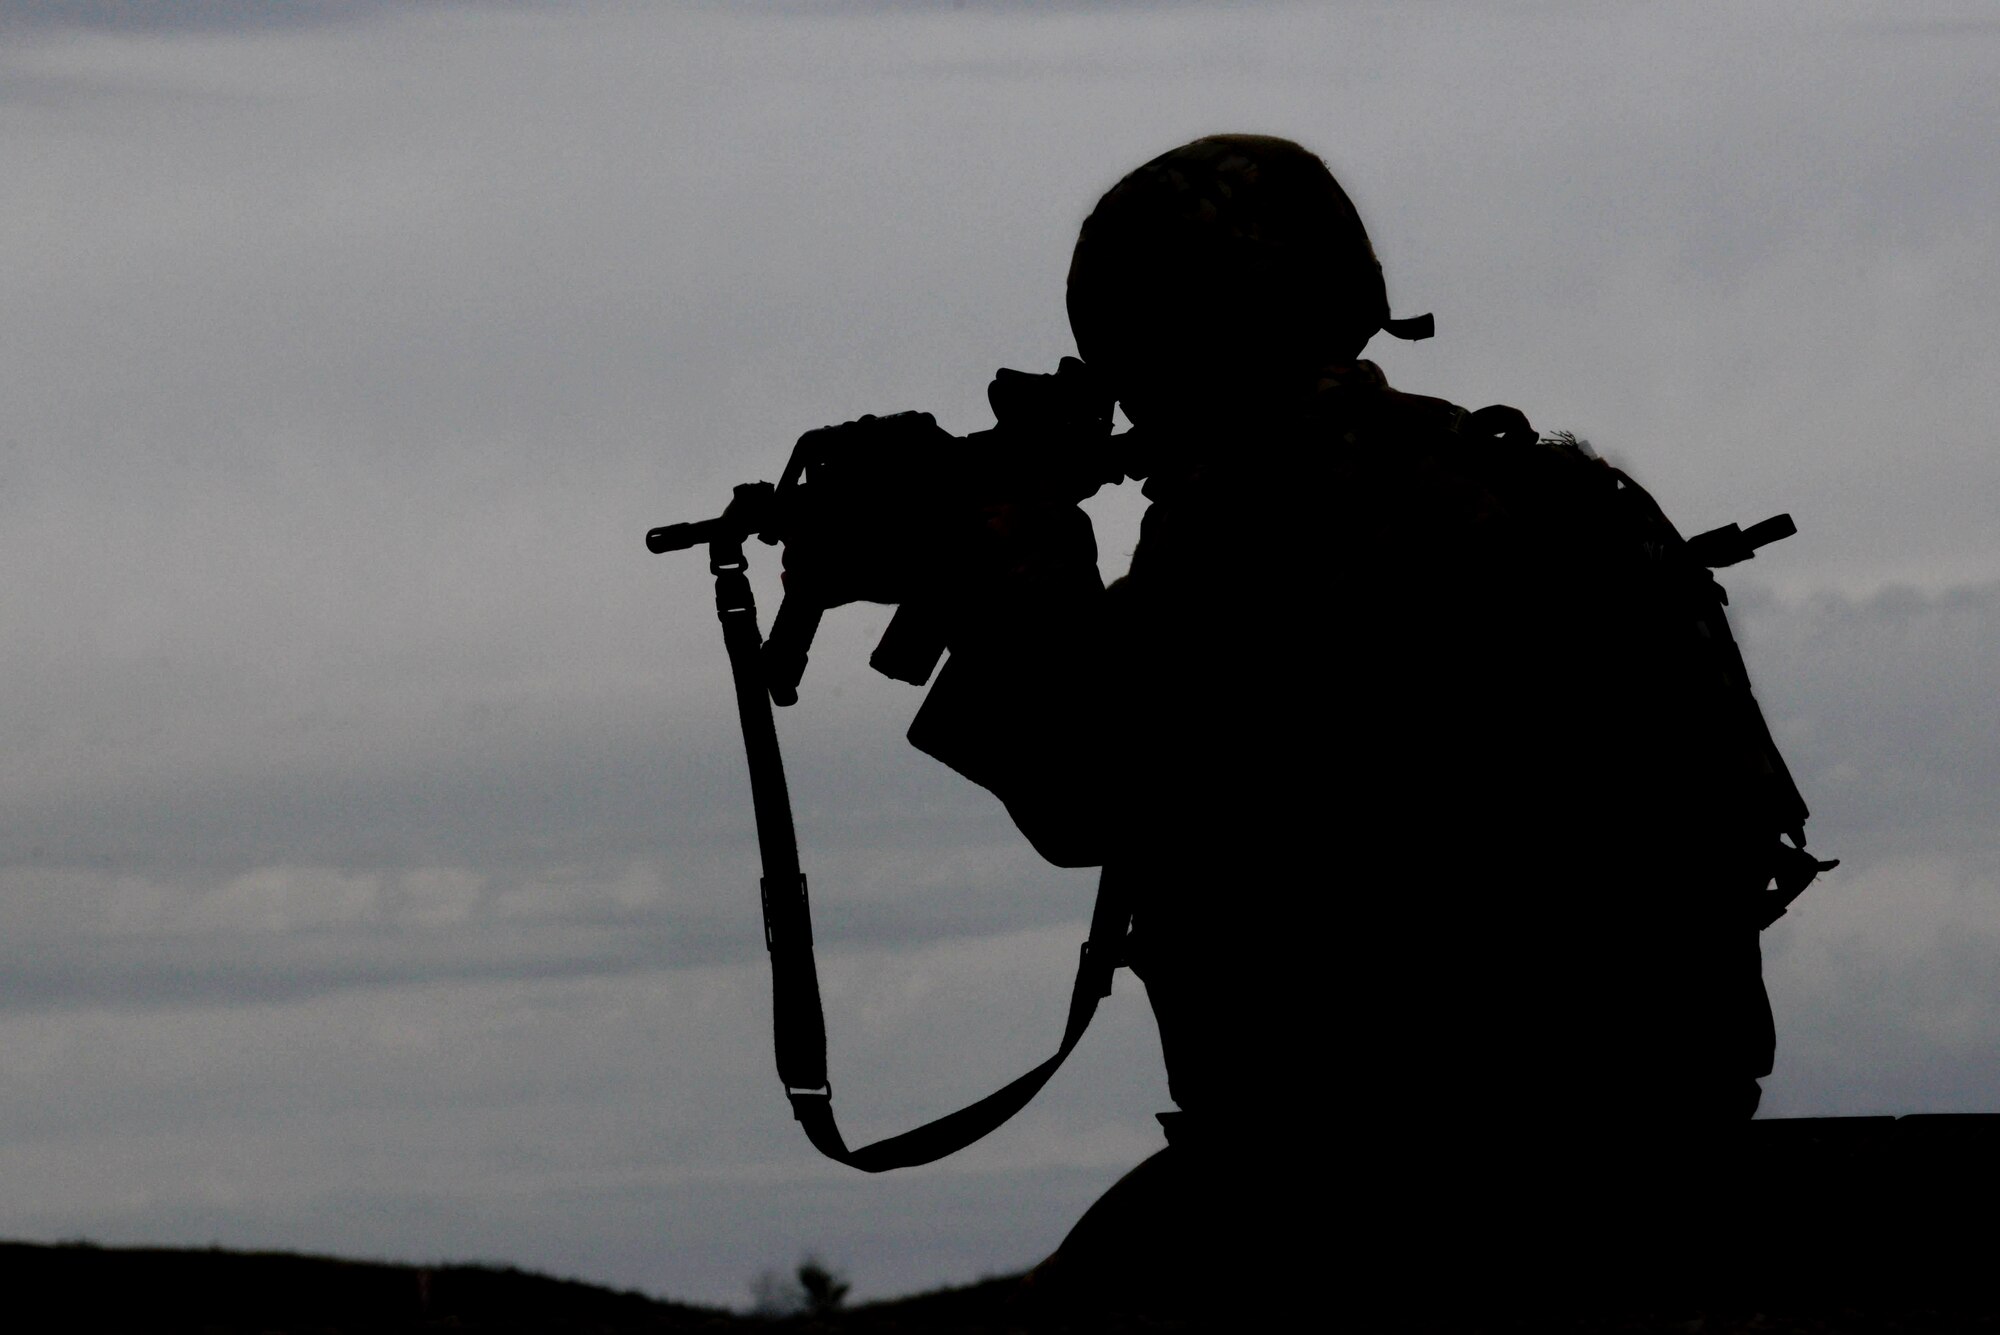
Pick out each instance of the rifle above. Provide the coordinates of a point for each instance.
(1052, 440)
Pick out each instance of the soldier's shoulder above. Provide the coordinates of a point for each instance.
(1498, 445)
(1476, 478)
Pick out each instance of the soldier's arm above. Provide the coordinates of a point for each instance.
(1021, 705)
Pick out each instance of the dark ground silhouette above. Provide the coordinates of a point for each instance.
(1858, 1225)
(81, 1287)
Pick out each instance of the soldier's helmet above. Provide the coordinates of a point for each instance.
(1224, 268)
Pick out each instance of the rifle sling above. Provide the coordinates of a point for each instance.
(798, 1022)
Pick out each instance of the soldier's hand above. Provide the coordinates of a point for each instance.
(1008, 548)
(1031, 542)
(861, 524)
(849, 557)
(885, 511)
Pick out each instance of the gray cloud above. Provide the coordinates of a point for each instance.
(161, 17)
(1885, 707)
(1884, 983)
(404, 1121)
(1884, 976)
(285, 933)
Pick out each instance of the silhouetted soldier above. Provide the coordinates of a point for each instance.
(1440, 838)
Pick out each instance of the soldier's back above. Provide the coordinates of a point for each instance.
(1424, 806)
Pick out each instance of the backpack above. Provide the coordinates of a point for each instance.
(1681, 570)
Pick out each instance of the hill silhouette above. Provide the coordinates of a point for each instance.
(83, 1286)
(87, 1287)
(1860, 1225)
(80, 1286)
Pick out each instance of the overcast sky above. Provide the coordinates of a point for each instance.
(376, 870)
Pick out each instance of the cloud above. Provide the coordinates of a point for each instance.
(1878, 703)
(167, 17)
(1883, 976)
(1884, 983)
(646, 1142)
(291, 933)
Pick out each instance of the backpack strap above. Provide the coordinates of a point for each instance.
(798, 1021)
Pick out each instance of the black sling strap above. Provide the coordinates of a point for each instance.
(797, 1020)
